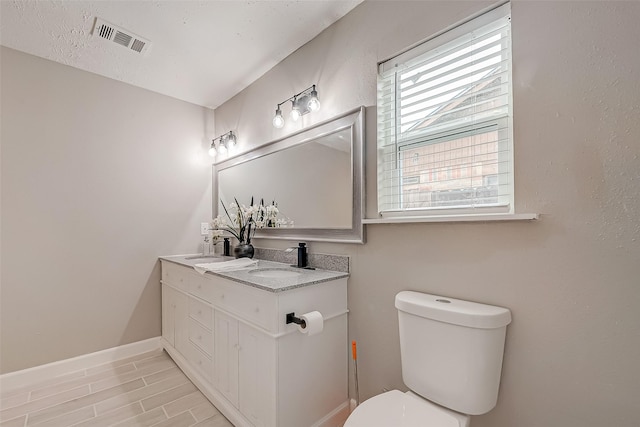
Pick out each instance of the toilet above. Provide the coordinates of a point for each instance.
(451, 354)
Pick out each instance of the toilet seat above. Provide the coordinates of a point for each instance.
(397, 409)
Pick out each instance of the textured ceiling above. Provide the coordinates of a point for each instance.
(203, 52)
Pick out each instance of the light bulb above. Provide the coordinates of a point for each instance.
(212, 150)
(231, 139)
(314, 102)
(222, 147)
(295, 110)
(278, 120)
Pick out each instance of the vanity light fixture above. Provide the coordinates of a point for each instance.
(225, 141)
(301, 104)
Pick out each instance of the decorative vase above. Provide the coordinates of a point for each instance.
(243, 250)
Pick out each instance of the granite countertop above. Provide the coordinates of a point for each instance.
(270, 284)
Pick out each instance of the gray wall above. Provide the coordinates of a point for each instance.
(98, 179)
(572, 279)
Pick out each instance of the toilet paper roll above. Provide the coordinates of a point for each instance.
(314, 322)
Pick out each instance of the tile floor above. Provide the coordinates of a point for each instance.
(143, 390)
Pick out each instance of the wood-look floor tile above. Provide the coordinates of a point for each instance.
(168, 396)
(120, 362)
(185, 403)
(49, 401)
(16, 422)
(145, 419)
(68, 419)
(142, 393)
(185, 419)
(113, 417)
(215, 421)
(90, 399)
(144, 390)
(48, 382)
(9, 392)
(162, 375)
(14, 400)
(41, 392)
(204, 410)
(160, 358)
(132, 375)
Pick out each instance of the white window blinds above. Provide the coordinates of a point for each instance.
(444, 122)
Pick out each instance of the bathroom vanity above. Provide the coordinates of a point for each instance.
(228, 333)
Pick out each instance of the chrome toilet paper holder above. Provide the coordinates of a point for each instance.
(291, 318)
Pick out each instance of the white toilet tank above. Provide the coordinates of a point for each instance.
(452, 350)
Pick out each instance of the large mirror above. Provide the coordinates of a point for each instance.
(314, 176)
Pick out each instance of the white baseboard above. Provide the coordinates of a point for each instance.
(25, 377)
(335, 418)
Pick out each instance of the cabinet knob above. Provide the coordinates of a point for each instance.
(257, 309)
(222, 296)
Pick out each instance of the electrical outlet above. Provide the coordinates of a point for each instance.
(204, 228)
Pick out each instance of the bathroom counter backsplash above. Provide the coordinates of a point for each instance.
(270, 284)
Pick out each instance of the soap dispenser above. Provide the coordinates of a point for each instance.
(206, 247)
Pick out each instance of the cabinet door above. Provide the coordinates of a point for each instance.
(181, 322)
(175, 314)
(225, 361)
(168, 314)
(257, 397)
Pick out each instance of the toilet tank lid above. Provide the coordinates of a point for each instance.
(454, 311)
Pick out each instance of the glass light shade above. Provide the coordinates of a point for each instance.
(278, 120)
(231, 139)
(295, 113)
(212, 150)
(222, 147)
(295, 110)
(314, 103)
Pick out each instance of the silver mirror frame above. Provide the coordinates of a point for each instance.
(354, 120)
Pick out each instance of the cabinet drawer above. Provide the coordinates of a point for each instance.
(201, 337)
(174, 275)
(200, 361)
(249, 304)
(201, 312)
(201, 286)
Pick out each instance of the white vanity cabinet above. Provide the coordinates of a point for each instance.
(227, 349)
(232, 340)
(244, 371)
(174, 317)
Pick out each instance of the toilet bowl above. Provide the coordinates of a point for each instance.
(451, 355)
(397, 409)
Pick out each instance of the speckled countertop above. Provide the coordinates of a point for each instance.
(270, 284)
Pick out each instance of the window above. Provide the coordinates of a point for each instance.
(444, 123)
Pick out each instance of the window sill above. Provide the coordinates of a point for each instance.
(454, 218)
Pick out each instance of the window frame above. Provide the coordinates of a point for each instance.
(506, 204)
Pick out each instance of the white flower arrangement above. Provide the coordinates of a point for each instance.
(241, 221)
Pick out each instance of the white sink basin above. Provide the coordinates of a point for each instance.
(275, 273)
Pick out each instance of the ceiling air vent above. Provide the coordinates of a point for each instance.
(126, 38)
